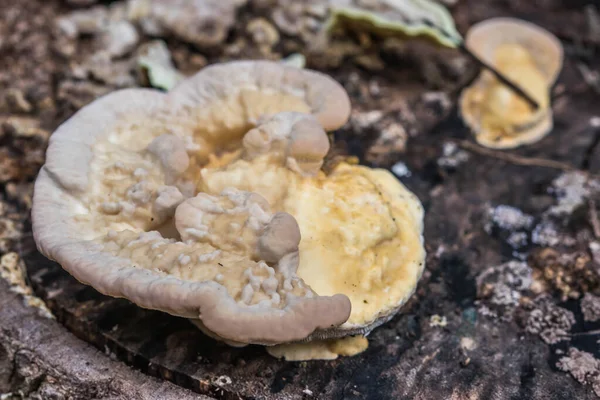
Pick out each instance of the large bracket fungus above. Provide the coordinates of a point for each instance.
(208, 202)
(530, 57)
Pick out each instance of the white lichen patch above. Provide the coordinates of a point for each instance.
(12, 270)
(571, 190)
(517, 240)
(583, 366)
(590, 307)
(401, 170)
(546, 233)
(452, 156)
(513, 224)
(551, 322)
(363, 120)
(467, 343)
(223, 380)
(503, 285)
(509, 218)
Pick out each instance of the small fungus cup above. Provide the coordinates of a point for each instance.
(528, 56)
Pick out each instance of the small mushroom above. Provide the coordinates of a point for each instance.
(208, 202)
(530, 57)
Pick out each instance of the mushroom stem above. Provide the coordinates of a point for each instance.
(460, 44)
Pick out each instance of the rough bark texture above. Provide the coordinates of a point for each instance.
(39, 359)
(497, 310)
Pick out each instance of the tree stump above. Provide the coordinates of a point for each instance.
(450, 341)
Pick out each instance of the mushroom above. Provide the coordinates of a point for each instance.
(529, 56)
(208, 202)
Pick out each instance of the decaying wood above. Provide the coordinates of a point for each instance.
(408, 357)
(447, 343)
(39, 359)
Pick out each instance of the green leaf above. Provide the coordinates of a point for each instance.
(397, 18)
(161, 76)
(295, 60)
(154, 62)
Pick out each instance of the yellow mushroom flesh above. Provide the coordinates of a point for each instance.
(499, 117)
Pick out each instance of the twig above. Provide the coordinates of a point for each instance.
(594, 218)
(429, 357)
(594, 332)
(460, 44)
(500, 77)
(514, 159)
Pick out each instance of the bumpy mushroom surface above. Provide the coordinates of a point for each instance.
(209, 203)
(530, 57)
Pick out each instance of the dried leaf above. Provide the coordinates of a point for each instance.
(408, 18)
